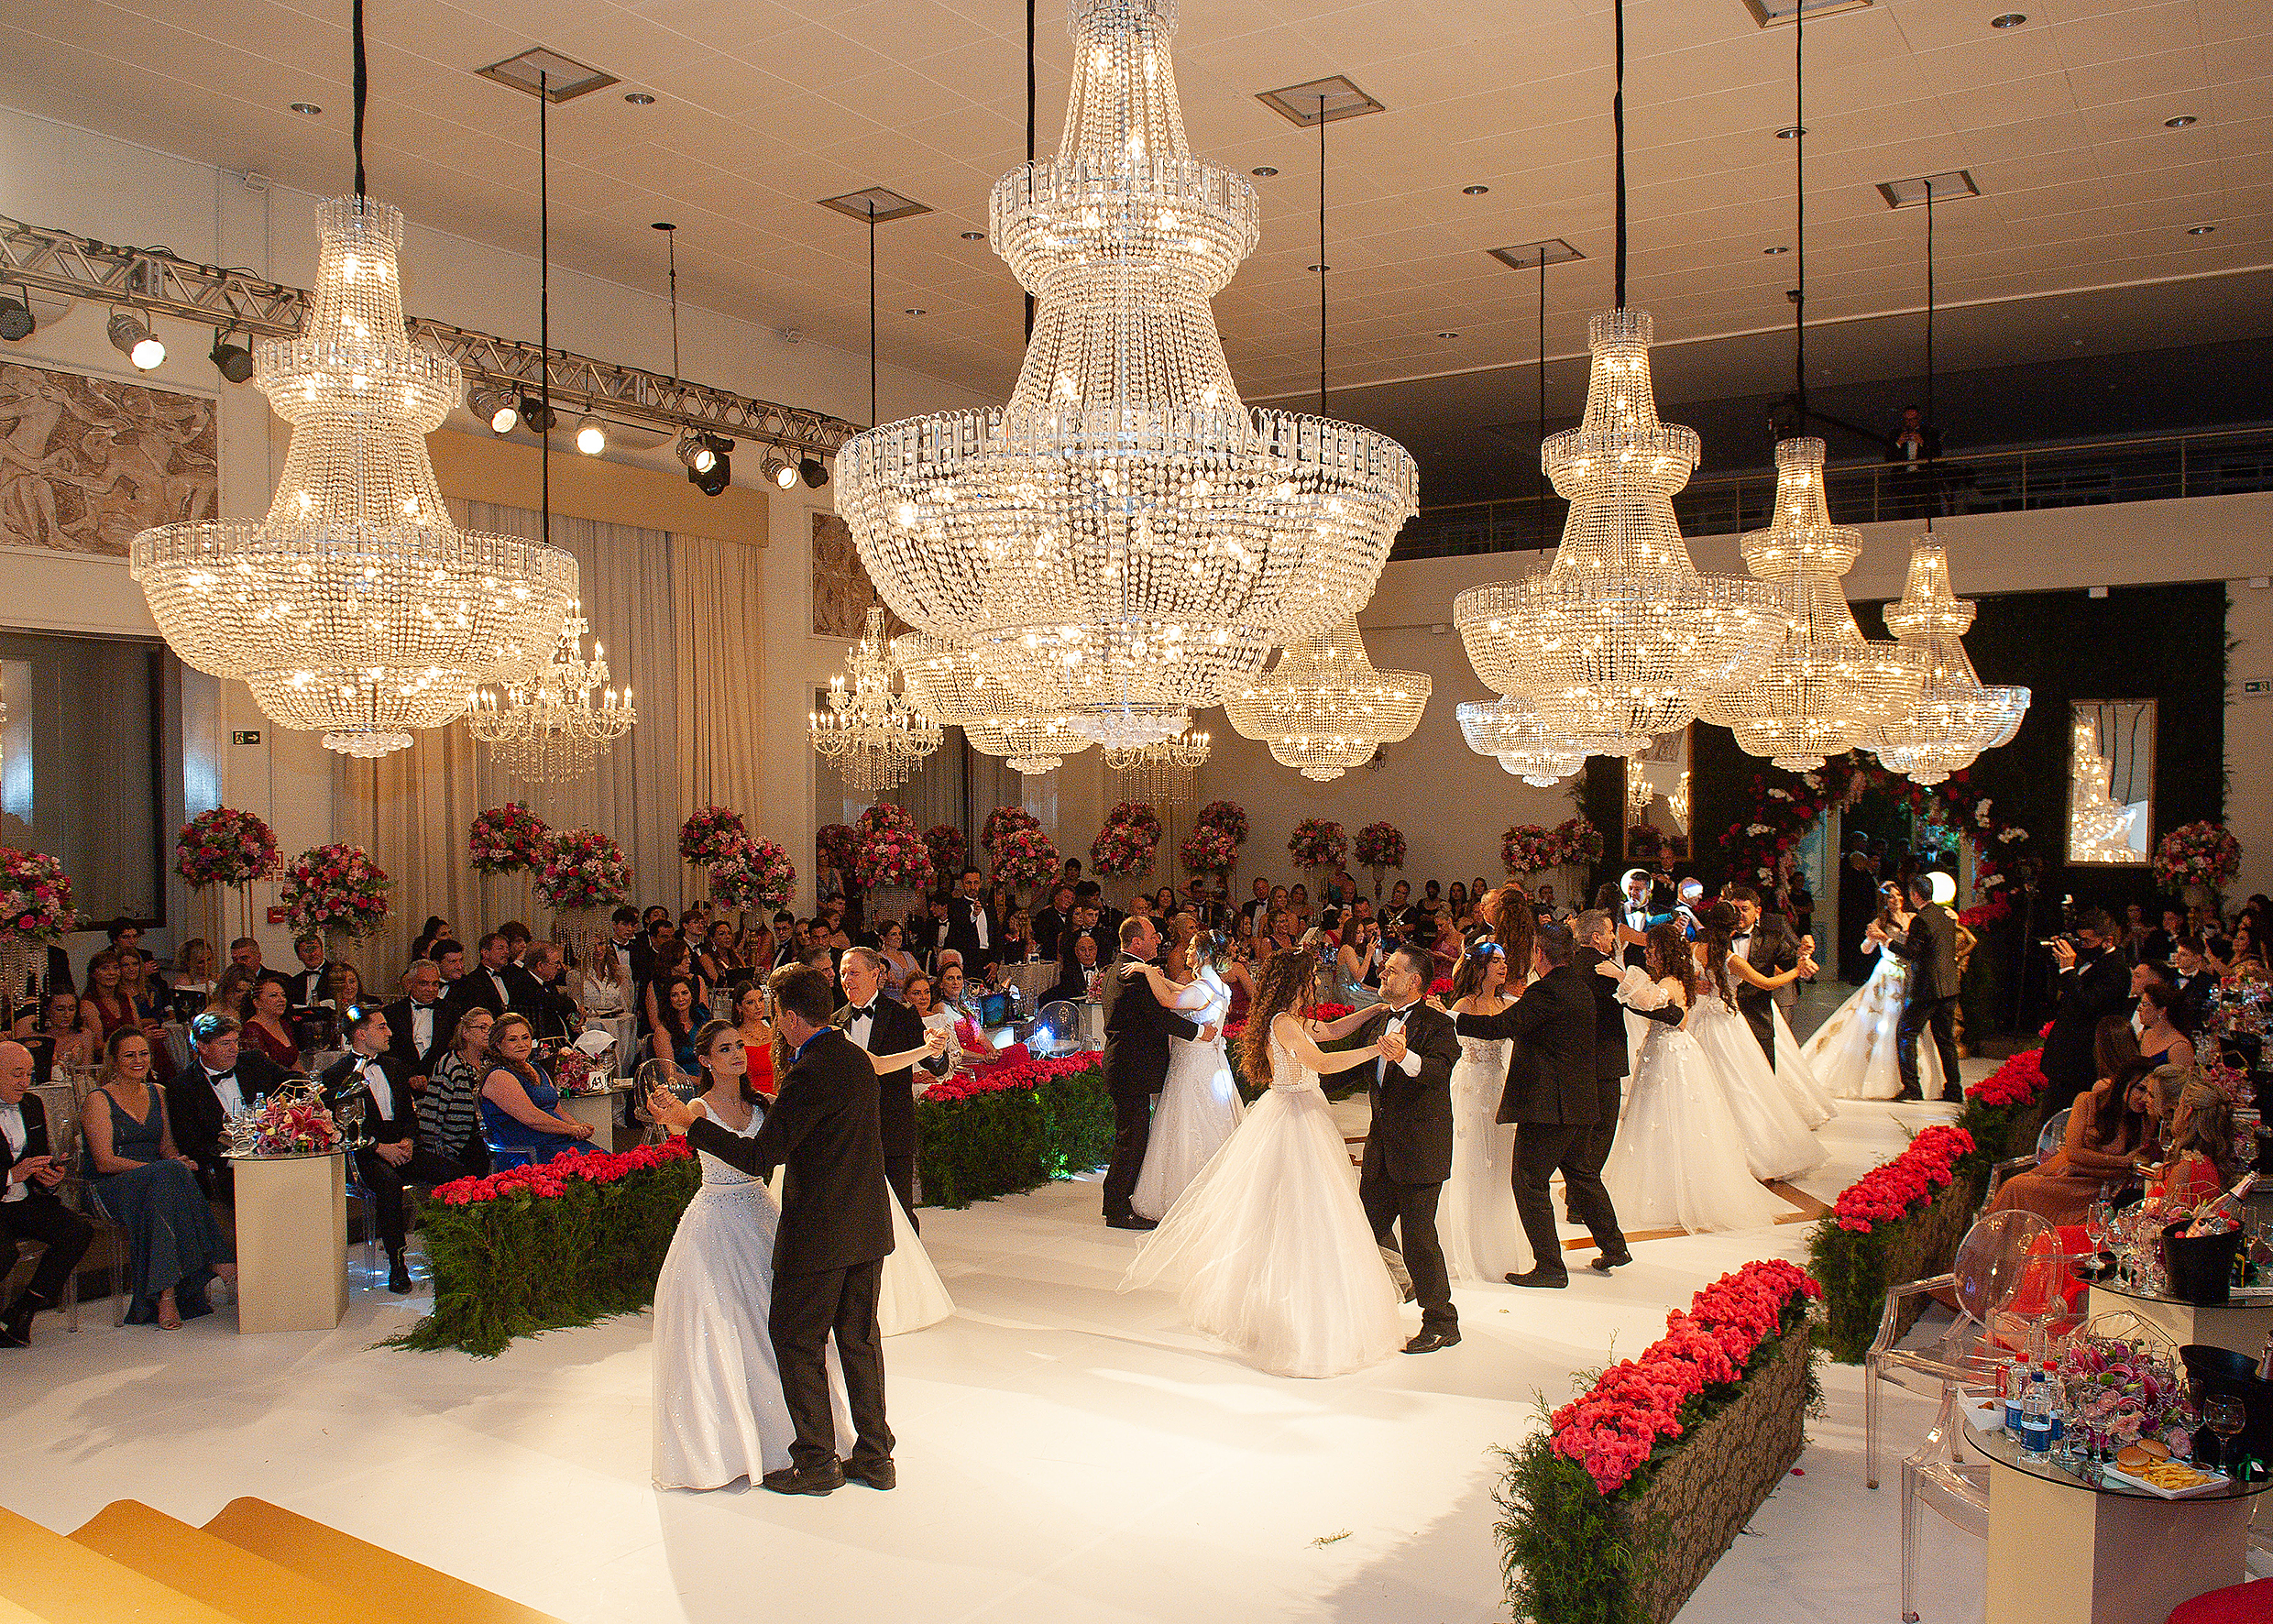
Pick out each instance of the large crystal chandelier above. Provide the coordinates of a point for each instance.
(874, 735)
(942, 681)
(1956, 717)
(556, 726)
(1509, 731)
(1125, 541)
(1165, 773)
(1323, 707)
(1825, 687)
(356, 608)
(1622, 636)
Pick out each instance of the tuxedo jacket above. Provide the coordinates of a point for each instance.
(1412, 1116)
(1609, 1021)
(401, 1123)
(475, 990)
(1138, 1027)
(36, 1143)
(822, 1127)
(403, 1031)
(1772, 950)
(2088, 993)
(194, 1109)
(1551, 1063)
(1931, 947)
(1049, 927)
(963, 914)
(303, 988)
(2195, 993)
(893, 1029)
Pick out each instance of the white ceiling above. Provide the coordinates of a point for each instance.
(760, 110)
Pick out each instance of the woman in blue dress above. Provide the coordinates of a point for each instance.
(519, 1104)
(139, 1176)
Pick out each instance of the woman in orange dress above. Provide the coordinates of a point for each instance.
(2201, 1164)
(2111, 1135)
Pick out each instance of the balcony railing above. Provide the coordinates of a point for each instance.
(2213, 463)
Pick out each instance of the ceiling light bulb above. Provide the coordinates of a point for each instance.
(2180, 121)
(2010, 19)
(591, 438)
(131, 339)
(2191, 230)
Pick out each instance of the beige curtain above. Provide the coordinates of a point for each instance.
(717, 600)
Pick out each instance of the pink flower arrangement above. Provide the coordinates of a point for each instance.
(709, 833)
(2202, 854)
(225, 847)
(506, 838)
(35, 896)
(1380, 846)
(1528, 847)
(835, 847)
(1025, 857)
(292, 1122)
(1898, 1188)
(892, 851)
(1612, 1430)
(1577, 841)
(550, 1180)
(1001, 821)
(1139, 813)
(948, 847)
(583, 869)
(2015, 1083)
(1011, 1074)
(1209, 850)
(1228, 816)
(1127, 842)
(1318, 843)
(335, 887)
(753, 874)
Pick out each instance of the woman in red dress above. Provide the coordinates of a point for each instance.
(757, 1037)
(265, 1025)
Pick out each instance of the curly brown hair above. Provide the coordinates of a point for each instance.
(1289, 982)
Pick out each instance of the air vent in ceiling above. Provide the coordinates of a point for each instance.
(563, 78)
(875, 203)
(1321, 100)
(1770, 14)
(1912, 193)
(1532, 256)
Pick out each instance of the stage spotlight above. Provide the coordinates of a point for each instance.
(813, 473)
(16, 321)
(591, 436)
(232, 361)
(131, 339)
(495, 408)
(778, 469)
(708, 468)
(695, 451)
(536, 414)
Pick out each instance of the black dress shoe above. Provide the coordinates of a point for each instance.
(1555, 1280)
(1130, 1221)
(398, 1275)
(1604, 1262)
(822, 1479)
(16, 1328)
(1909, 1093)
(880, 1474)
(1428, 1341)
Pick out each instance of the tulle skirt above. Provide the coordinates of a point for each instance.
(1777, 1144)
(910, 1296)
(1270, 1251)
(1853, 1053)
(1796, 1077)
(1678, 1160)
(1476, 1214)
(1199, 1107)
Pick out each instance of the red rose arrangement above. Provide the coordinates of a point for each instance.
(1025, 857)
(1001, 821)
(2202, 854)
(948, 847)
(1126, 843)
(1380, 846)
(753, 874)
(506, 838)
(1612, 1429)
(225, 847)
(291, 1122)
(2015, 1083)
(1318, 843)
(335, 887)
(892, 851)
(835, 847)
(583, 869)
(1139, 813)
(35, 896)
(1010, 1074)
(1228, 816)
(709, 833)
(1898, 1188)
(1209, 850)
(1577, 841)
(1528, 847)
(550, 1178)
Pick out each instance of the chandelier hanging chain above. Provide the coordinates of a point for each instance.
(1799, 190)
(1933, 496)
(871, 310)
(1321, 253)
(1539, 467)
(1618, 128)
(1029, 141)
(671, 249)
(544, 301)
(362, 92)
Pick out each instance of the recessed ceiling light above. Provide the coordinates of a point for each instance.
(1316, 268)
(1779, 248)
(639, 98)
(1448, 335)
(975, 237)
(306, 109)
(2010, 19)
(1474, 190)
(1263, 170)
(1791, 132)
(2180, 121)
(2200, 230)
(914, 310)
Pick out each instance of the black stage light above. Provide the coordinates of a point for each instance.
(720, 474)
(813, 472)
(232, 361)
(16, 321)
(536, 415)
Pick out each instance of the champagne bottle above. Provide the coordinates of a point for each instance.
(2227, 1206)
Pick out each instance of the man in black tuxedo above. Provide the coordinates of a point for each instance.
(419, 1024)
(973, 929)
(1554, 1100)
(883, 1025)
(552, 1010)
(1137, 1032)
(1770, 949)
(2092, 985)
(245, 954)
(303, 988)
(2193, 981)
(1052, 924)
(394, 1160)
(1596, 935)
(29, 1209)
(1408, 1146)
(496, 984)
(1929, 944)
(835, 1232)
(224, 1079)
(1073, 973)
(1257, 907)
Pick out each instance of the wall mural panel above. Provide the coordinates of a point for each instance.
(842, 590)
(87, 462)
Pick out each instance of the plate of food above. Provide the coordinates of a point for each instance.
(2152, 1471)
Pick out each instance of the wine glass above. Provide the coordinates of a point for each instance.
(2226, 1416)
(2095, 1225)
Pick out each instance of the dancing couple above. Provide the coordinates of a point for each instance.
(1869, 1047)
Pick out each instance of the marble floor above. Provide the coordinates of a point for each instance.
(1066, 1452)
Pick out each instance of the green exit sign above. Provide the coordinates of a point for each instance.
(243, 738)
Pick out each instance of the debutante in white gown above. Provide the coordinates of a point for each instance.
(1268, 1247)
(1475, 1211)
(1678, 1160)
(1853, 1051)
(1777, 1144)
(910, 1295)
(1796, 1076)
(1199, 1103)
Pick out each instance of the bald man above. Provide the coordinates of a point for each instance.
(29, 1208)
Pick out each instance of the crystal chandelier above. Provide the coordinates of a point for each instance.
(1957, 716)
(1509, 731)
(875, 736)
(556, 726)
(1125, 541)
(356, 608)
(2099, 828)
(1824, 686)
(942, 681)
(1323, 707)
(1165, 773)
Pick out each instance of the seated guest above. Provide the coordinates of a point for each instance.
(1076, 973)
(303, 988)
(1051, 922)
(224, 1079)
(143, 1182)
(193, 970)
(673, 961)
(552, 1011)
(232, 994)
(937, 1018)
(434, 930)
(899, 962)
(29, 1208)
(495, 981)
(394, 1159)
(450, 959)
(2161, 945)
(758, 947)
(449, 1114)
(971, 1044)
(266, 1027)
(721, 963)
(245, 955)
(681, 1015)
(419, 1022)
(139, 985)
(1018, 945)
(2194, 981)
(517, 941)
(63, 1027)
(2159, 1037)
(518, 1100)
(606, 983)
(2200, 1162)
(785, 941)
(105, 1006)
(2110, 1136)
(343, 987)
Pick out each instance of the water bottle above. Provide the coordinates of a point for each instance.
(2035, 1418)
(2015, 1384)
(2060, 1418)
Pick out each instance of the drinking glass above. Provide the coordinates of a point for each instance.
(2226, 1415)
(2095, 1225)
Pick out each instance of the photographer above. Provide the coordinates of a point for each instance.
(2092, 983)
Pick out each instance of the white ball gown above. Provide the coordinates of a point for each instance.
(1476, 1212)
(1268, 1246)
(1853, 1051)
(911, 1295)
(1777, 1143)
(1199, 1103)
(1678, 1160)
(1796, 1077)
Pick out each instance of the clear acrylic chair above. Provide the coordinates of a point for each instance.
(1935, 1479)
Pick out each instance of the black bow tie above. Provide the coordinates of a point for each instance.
(221, 1076)
(862, 1011)
(1399, 1015)
(416, 1005)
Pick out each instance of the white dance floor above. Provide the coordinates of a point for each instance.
(1067, 1453)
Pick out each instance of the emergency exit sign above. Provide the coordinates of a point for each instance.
(243, 738)
(2258, 686)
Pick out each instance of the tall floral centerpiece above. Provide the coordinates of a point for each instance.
(835, 848)
(505, 840)
(1000, 822)
(1025, 857)
(1380, 846)
(1528, 847)
(948, 849)
(753, 874)
(1209, 850)
(892, 855)
(1125, 846)
(1318, 843)
(336, 891)
(226, 846)
(584, 871)
(709, 834)
(2198, 861)
(35, 913)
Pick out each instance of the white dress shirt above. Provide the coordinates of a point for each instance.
(860, 1024)
(19, 1135)
(382, 1091)
(1411, 1064)
(226, 1090)
(496, 979)
(422, 1026)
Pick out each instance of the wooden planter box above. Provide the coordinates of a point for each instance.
(1704, 1493)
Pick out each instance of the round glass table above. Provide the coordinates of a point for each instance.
(2239, 1325)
